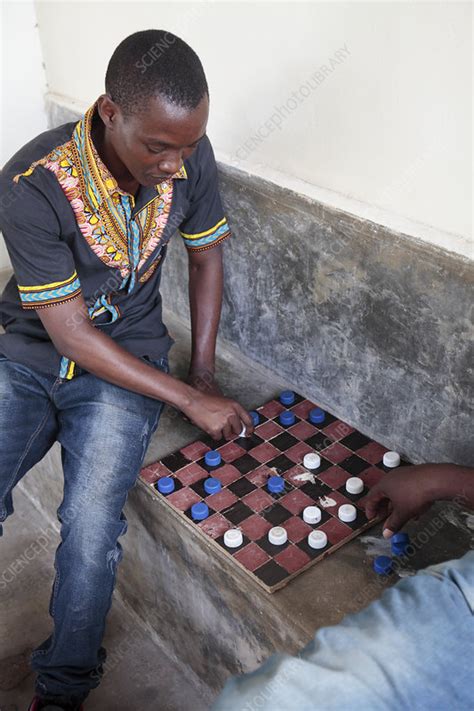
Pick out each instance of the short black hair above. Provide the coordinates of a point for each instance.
(151, 63)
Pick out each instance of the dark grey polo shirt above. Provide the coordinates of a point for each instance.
(69, 229)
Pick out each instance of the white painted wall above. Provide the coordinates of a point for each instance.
(23, 84)
(384, 131)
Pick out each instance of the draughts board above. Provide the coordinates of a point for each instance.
(244, 501)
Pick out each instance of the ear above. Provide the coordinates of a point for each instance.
(108, 111)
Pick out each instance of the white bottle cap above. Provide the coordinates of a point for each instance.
(244, 432)
(277, 535)
(311, 514)
(317, 539)
(347, 513)
(311, 460)
(391, 459)
(354, 485)
(233, 538)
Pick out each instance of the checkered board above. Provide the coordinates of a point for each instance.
(244, 501)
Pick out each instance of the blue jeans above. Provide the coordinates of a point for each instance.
(104, 431)
(413, 649)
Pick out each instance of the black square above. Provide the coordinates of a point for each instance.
(241, 487)
(318, 441)
(188, 514)
(354, 465)
(353, 497)
(328, 420)
(271, 573)
(283, 441)
(198, 487)
(280, 463)
(245, 464)
(207, 468)
(237, 513)
(212, 443)
(220, 541)
(248, 443)
(276, 514)
(298, 398)
(287, 487)
(261, 418)
(316, 490)
(270, 548)
(355, 441)
(285, 427)
(359, 521)
(313, 552)
(177, 486)
(175, 462)
(381, 465)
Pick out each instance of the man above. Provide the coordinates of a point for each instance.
(412, 649)
(87, 210)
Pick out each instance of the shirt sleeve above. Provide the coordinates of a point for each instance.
(42, 262)
(205, 225)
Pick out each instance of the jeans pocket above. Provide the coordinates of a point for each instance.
(160, 363)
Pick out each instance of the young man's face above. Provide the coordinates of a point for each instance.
(153, 144)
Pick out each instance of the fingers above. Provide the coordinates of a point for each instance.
(236, 425)
(246, 419)
(394, 523)
(374, 501)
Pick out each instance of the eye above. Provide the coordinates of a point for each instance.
(154, 151)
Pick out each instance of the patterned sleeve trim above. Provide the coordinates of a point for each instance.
(209, 238)
(34, 297)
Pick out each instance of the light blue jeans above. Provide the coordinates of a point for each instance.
(104, 431)
(411, 650)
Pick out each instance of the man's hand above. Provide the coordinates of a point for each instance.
(409, 491)
(217, 415)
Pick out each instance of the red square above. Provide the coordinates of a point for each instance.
(292, 559)
(302, 430)
(260, 476)
(191, 473)
(194, 451)
(264, 452)
(254, 527)
(230, 451)
(258, 500)
(334, 477)
(296, 528)
(271, 409)
(372, 452)
(338, 499)
(215, 526)
(335, 530)
(338, 430)
(252, 556)
(297, 452)
(336, 453)
(221, 500)
(296, 501)
(183, 499)
(153, 472)
(302, 409)
(268, 430)
(227, 474)
(291, 474)
(371, 476)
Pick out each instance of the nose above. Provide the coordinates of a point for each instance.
(170, 165)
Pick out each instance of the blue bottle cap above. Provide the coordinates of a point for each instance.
(400, 538)
(255, 417)
(383, 565)
(317, 415)
(212, 485)
(399, 548)
(287, 397)
(287, 418)
(199, 511)
(165, 485)
(212, 458)
(276, 484)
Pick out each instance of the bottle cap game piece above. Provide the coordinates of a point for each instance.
(399, 549)
(243, 432)
(347, 513)
(287, 397)
(287, 418)
(165, 485)
(275, 484)
(311, 460)
(212, 458)
(233, 538)
(317, 539)
(277, 535)
(400, 537)
(317, 415)
(199, 511)
(255, 417)
(212, 485)
(354, 485)
(311, 514)
(391, 459)
(383, 565)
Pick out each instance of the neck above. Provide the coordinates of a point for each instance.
(110, 158)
